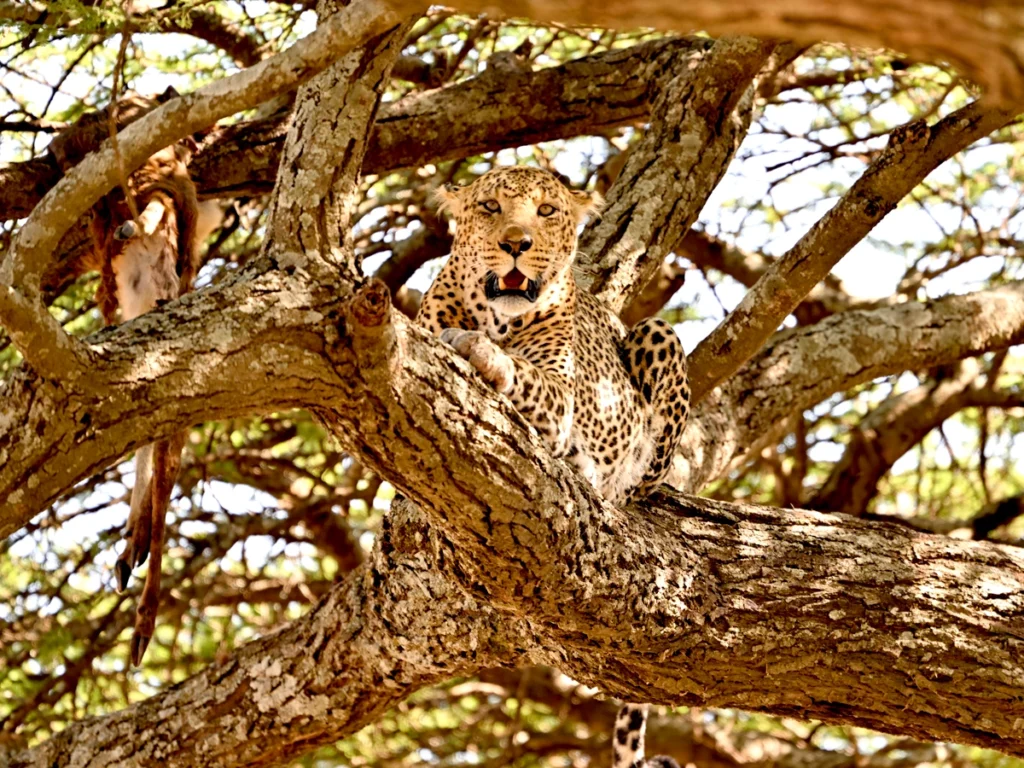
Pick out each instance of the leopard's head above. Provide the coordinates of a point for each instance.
(515, 227)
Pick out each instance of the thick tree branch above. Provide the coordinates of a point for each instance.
(34, 332)
(482, 114)
(800, 368)
(701, 115)
(392, 626)
(986, 46)
(615, 597)
(912, 153)
(198, 371)
(317, 190)
(859, 628)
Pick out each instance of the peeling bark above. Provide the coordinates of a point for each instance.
(787, 612)
(502, 555)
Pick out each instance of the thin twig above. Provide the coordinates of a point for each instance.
(126, 36)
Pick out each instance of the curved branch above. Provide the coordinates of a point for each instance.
(985, 47)
(392, 626)
(888, 432)
(788, 612)
(36, 334)
(482, 114)
(214, 29)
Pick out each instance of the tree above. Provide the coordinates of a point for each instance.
(441, 615)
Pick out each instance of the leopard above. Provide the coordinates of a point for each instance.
(611, 400)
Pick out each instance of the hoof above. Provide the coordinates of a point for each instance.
(139, 646)
(126, 231)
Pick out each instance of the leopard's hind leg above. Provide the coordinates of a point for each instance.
(656, 362)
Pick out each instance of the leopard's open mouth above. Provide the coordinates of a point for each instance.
(511, 284)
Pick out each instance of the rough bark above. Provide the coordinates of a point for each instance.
(275, 316)
(507, 556)
(788, 612)
(800, 368)
(700, 117)
(392, 626)
(986, 46)
(35, 333)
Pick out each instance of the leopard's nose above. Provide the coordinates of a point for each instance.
(515, 241)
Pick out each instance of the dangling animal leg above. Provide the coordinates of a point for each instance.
(137, 531)
(166, 463)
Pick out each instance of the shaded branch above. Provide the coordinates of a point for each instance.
(985, 47)
(582, 96)
(861, 628)
(38, 337)
(892, 429)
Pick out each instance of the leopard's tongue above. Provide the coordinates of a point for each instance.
(513, 280)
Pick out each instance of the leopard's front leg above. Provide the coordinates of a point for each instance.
(543, 397)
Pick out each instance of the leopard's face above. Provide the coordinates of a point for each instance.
(516, 229)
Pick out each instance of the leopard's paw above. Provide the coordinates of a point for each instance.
(484, 355)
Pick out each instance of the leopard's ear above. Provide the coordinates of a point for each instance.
(449, 197)
(586, 204)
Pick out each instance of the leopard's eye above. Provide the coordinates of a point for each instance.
(546, 210)
(491, 206)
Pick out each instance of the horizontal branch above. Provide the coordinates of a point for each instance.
(859, 628)
(169, 369)
(802, 367)
(985, 47)
(390, 627)
(787, 612)
(583, 96)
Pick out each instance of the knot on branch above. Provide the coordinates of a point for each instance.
(368, 322)
(911, 137)
(371, 306)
